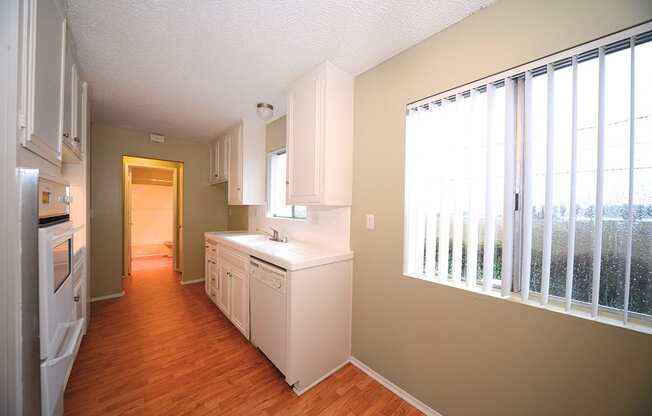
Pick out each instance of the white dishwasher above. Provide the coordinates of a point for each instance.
(269, 311)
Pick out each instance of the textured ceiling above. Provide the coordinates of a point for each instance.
(190, 68)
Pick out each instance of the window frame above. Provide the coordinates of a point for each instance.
(611, 315)
(269, 210)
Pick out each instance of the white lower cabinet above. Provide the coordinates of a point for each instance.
(211, 269)
(239, 284)
(224, 291)
(227, 284)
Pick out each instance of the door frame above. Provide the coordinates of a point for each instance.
(176, 167)
(12, 390)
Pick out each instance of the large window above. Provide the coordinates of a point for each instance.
(276, 178)
(537, 183)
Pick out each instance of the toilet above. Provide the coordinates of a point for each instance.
(168, 245)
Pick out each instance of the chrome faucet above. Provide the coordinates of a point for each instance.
(275, 237)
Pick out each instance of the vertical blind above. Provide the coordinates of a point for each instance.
(570, 139)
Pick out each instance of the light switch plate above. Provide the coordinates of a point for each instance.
(371, 222)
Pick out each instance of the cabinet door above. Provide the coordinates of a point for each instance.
(215, 162)
(224, 298)
(79, 110)
(84, 117)
(235, 167)
(223, 162)
(207, 275)
(212, 172)
(84, 301)
(45, 35)
(214, 282)
(207, 267)
(305, 140)
(68, 114)
(240, 301)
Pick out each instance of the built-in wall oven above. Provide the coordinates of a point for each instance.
(60, 332)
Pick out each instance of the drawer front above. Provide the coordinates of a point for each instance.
(236, 259)
(211, 249)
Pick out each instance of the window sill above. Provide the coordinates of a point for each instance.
(271, 217)
(577, 310)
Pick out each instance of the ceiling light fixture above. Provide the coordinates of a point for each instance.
(265, 111)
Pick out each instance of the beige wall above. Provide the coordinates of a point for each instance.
(204, 205)
(459, 352)
(238, 218)
(275, 135)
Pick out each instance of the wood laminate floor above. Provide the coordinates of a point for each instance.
(165, 349)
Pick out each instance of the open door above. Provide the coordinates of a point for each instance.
(178, 220)
(127, 222)
(176, 168)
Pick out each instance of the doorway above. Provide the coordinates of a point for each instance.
(152, 211)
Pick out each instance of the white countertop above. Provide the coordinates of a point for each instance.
(291, 256)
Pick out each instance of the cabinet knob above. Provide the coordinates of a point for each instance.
(76, 298)
(77, 140)
(66, 135)
(287, 182)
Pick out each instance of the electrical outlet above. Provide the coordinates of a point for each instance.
(371, 222)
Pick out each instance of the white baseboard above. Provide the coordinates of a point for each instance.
(189, 282)
(107, 297)
(319, 380)
(395, 389)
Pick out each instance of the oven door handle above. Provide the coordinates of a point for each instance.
(63, 236)
(74, 339)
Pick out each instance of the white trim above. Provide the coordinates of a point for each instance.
(550, 173)
(189, 282)
(526, 190)
(508, 186)
(580, 310)
(599, 193)
(107, 297)
(570, 260)
(490, 219)
(395, 389)
(11, 388)
(632, 142)
(319, 380)
(568, 53)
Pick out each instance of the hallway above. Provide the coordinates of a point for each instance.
(165, 349)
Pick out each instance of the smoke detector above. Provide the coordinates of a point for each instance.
(157, 138)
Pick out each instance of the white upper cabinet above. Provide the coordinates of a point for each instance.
(51, 112)
(246, 162)
(69, 89)
(219, 169)
(320, 138)
(78, 129)
(71, 106)
(43, 35)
